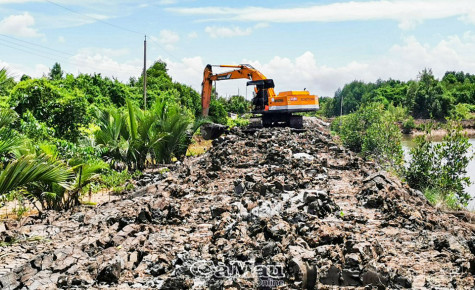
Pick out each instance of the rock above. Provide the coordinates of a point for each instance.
(373, 278)
(239, 187)
(251, 202)
(330, 276)
(352, 260)
(9, 281)
(217, 211)
(3, 228)
(319, 203)
(350, 277)
(303, 156)
(144, 217)
(302, 273)
(110, 272)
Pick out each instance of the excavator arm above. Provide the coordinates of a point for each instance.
(243, 71)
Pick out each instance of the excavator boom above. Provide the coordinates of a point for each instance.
(243, 71)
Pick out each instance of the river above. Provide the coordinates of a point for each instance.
(407, 143)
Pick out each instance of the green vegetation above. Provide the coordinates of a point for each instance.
(368, 125)
(372, 131)
(452, 96)
(439, 169)
(64, 136)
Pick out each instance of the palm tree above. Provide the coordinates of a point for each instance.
(6, 82)
(9, 139)
(37, 173)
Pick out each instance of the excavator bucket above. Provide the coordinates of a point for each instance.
(212, 131)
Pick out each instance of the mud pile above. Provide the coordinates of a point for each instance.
(274, 208)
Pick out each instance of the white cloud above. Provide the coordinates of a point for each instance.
(17, 70)
(192, 35)
(97, 60)
(167, 38)
(407, 12)
(166, 2)
(403, 61)
(188, 71)
(220, 31)
(216, 31)
(61, 39)
(19, 25)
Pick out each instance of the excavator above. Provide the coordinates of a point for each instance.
(274, 109)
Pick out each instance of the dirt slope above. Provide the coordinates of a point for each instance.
(273, 208)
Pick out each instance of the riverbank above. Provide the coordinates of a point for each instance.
(438, 132)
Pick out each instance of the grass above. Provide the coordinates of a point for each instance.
(441, 200)
(198, 146)
(31, 239)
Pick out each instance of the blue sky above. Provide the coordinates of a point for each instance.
(318, 45)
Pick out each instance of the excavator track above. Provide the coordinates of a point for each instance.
(282, 120)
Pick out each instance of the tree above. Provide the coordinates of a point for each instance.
(237, 104)
(6, 82)
(64, 111)
(56, 73)
(430, 100)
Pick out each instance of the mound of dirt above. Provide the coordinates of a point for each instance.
(274, 208)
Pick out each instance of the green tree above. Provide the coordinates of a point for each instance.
(64, 111)
(430, 100)
(6, 82)
(56, 73)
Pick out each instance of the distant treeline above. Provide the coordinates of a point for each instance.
(424, 98)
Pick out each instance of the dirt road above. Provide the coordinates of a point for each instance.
(269, 209)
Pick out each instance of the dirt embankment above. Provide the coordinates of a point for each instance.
(273, 208)
(438, 132)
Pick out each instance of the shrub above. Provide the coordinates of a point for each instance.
(408, 125)
(137, 137)
(372, 131)
(441, 166)
(59, 109)
(217, 112)
(460, 112)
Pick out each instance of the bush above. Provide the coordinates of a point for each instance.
(408, 125)
(239, 122)
(137, 137)
(460, 112)
(372, 131)
(59, 109)
(217, 112)
(441, 167)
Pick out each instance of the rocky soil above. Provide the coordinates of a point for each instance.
(274, 208)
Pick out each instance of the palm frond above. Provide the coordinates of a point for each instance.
(28, 169)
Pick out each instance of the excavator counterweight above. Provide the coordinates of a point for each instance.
(274, 109)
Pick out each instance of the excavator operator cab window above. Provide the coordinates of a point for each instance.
(261, 96)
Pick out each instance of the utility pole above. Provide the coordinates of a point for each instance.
(145, 73)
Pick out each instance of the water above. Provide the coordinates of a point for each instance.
(408, 143)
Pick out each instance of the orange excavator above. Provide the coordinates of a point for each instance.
(274, 109)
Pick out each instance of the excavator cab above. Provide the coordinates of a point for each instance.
(261, 96)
